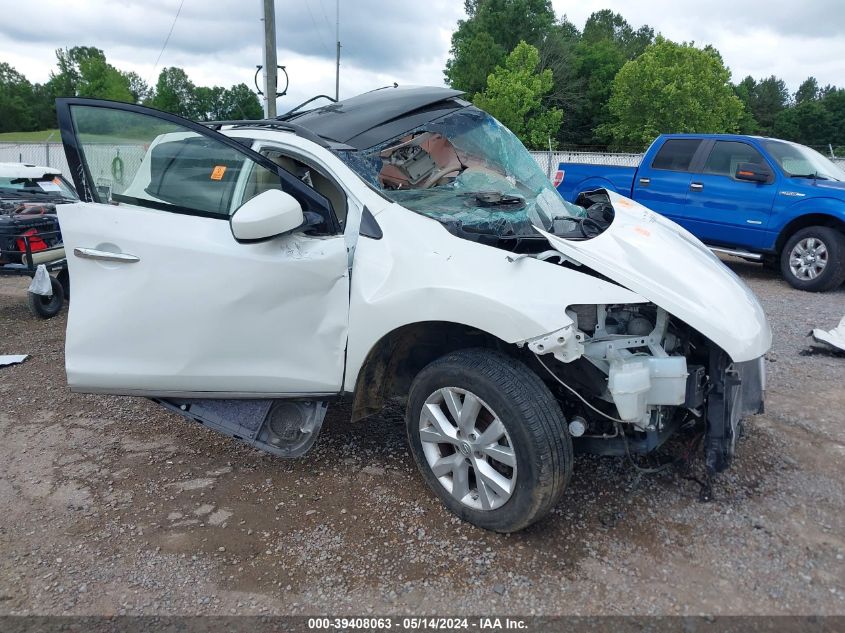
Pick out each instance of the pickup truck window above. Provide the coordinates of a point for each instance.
(798, 161)
(726, 155)
(676, 154)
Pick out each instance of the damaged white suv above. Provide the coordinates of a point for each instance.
(399, 244)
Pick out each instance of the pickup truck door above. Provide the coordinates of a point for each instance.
(722, 210)
(166, 302)
(662, 182)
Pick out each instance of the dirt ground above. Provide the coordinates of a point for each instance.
(112, 506)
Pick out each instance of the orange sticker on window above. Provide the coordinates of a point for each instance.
(217, 172)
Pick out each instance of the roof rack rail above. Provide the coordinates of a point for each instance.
(295, 110)
(272, 124)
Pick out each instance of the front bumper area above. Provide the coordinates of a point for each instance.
(736, 391)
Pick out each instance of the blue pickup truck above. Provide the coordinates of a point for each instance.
(763, 199)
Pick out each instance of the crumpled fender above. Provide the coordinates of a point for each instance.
(420, 272)
(653, 256)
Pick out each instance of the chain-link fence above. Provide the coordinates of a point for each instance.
(109, 162)
(111, 165)
(549, 161)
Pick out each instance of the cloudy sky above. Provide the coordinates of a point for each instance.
(219, 41)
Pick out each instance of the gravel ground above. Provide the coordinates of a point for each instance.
(112, 506)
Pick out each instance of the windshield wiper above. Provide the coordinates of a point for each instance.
(814, 176)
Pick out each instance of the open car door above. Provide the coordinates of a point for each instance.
(167, 302)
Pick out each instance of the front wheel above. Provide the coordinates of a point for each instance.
(489, 439)
(813, 259)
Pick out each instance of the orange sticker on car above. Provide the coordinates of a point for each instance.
(642, 231)
(217, 172)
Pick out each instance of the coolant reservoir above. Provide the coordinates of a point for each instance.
(629, 382)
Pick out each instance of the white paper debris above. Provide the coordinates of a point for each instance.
(12, 359)
(41, 282)
(834, 338)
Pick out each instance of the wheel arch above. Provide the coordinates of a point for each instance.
(593, 183)
(802, 222)
(398, 356)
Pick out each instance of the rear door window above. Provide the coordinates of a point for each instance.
(676, 154)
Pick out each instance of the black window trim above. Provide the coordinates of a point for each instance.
(695, 154)
(262, 143)
(87, 190)
(712, 146)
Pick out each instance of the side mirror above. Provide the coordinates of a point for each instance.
(753, 172)
(270, 213)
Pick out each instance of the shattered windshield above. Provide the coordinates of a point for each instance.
(465, 168)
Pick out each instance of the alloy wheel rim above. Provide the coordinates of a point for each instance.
(808, 258)
(468, 448)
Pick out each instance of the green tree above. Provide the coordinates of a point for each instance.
(807, 91)
(609, 26)
(207, 103)
(808, 122)
(558, 53)
(769, 98)
(597, 63)
(84, 72)
(833, 100)
(239, 102)
(744, 91)
(492, 28)
(140, 90)
(515, 93)
(671, 88)
(607, 43)
(175, 93)
(15, 100)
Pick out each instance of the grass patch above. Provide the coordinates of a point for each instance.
(40, 136)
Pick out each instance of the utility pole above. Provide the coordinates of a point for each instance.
(270, 63)
(337, 67)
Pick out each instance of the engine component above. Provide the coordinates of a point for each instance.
(586, 317)
(640, 326)
(577, 426)
(629, 384)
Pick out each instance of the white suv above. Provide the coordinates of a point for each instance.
(401, 244)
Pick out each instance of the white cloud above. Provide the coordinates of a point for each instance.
(219, 43)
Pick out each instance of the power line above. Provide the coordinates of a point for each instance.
(167, 39)
(317, 28)
(323, 9)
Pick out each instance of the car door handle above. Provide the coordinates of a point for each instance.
(645, 181)
(91, 253)
(696, 186)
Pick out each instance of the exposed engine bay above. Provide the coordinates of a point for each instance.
(628, 376)
(648, 375)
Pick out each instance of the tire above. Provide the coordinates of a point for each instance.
(64, 279)
(824, 266)
(47, 307)
(533, 436)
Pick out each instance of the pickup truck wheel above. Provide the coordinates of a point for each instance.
(813, 259)
(489, 439)
(47, 307)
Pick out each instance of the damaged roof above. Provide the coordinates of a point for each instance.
(377, 116)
